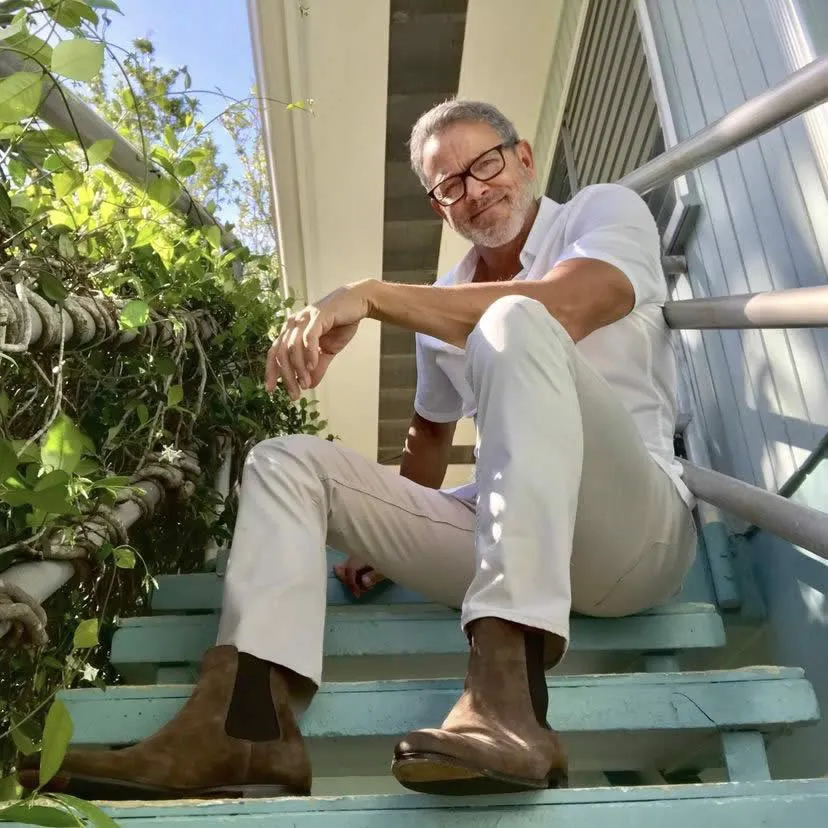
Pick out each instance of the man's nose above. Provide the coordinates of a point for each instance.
(475, 189)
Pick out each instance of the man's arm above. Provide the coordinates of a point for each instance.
(426, 452)
(582, 294)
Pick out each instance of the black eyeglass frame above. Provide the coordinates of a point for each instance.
(464, 174)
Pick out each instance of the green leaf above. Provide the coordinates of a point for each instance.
(23, 742)
(164, 365)
(20, 95)
(105, 4)
(16, 27)
(103, 552)
(98, 152)
(124, 557)
(5, 403)
(50, 479)
(163, 190)
(114, 482)
(31, 45)
(55, 163)
(213, 234)
(61, 448)
(86, 466)
(18, 171)
(67, 250)
(66, 182)
(78, 59)
(56, 735)
(8, 460)
(87, 809)
(53, 501)
(134, 314)
(86, 635)
(51, 286)
(164, 248)
(170, 138)
(24, 814)
(60, 218)
(10, 789)
(185, 168)
(175, 393)
(69, 13)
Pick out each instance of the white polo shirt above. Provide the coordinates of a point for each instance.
(635, 354)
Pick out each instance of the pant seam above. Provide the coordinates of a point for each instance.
(395, 505)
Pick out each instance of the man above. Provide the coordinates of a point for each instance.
(550, 332)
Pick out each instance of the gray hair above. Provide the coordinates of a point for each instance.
(450, 112)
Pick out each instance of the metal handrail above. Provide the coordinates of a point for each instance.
(795, 308)
(793, 522)
(796, 94)
(65, 111)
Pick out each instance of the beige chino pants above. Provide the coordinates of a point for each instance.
(571, 510)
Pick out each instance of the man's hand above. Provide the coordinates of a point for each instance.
(312, 337)
(358, 576)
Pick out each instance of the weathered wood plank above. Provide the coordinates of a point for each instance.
(770, 804)
(761, 698)
(419, 630)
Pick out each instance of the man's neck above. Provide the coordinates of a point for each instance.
(497, 263)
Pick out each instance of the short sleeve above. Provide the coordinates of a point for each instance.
(613, 224)
(436, 398)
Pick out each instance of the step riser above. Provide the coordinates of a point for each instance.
(351, 633)
(748, 699)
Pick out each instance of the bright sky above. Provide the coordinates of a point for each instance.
(210, 37)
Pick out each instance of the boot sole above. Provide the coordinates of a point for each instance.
(101, 788)
(436, 773)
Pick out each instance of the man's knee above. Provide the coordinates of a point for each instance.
(514, 324)
(284, 455)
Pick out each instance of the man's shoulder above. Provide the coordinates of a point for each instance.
(606, 199)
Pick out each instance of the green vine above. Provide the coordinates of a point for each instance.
(174, 358)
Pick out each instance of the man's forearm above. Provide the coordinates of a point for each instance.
(448, 313)
(582, 294)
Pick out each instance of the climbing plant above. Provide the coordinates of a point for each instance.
(168, 334)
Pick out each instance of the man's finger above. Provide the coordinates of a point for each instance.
(296, 355)
(271, 369)
(310, 339)
(285, 368)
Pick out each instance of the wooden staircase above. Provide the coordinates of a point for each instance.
(394, 662)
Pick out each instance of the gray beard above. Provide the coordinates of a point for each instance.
(504, 232)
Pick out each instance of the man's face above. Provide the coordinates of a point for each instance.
(493, 212)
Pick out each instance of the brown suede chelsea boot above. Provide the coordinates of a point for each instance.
(496, 738)
(236, 736)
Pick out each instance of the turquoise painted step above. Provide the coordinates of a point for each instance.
(419, 630)
(203, 591)
(608, 721)
(803, 803)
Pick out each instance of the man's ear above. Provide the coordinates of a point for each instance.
(526, 157)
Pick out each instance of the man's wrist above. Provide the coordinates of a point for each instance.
(370, 291)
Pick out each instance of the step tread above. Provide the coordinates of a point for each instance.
(420, 629)
(764, 698)
(775, 804)
(203, 591)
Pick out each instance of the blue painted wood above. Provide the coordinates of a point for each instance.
(716, 542)
(762, 222)
(422, 629)
(769, 804)
(758, 698)
(745, 756)
(202, 591)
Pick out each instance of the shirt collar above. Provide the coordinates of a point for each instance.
(464, 272)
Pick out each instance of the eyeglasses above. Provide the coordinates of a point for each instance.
(485, 167)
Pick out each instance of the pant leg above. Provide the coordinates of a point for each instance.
(572, 509)
(300, 492)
